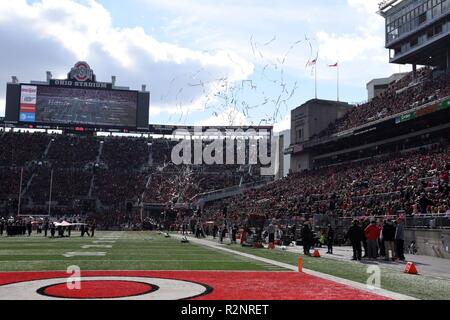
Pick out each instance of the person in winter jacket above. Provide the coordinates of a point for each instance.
(389, 239)
(400, 239)
(372, 233)
(307, 238)
(356, 235)
(330, 239)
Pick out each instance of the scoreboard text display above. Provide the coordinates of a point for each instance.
(28, 95)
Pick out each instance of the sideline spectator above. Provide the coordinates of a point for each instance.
(400, 239)
(372, 233)
(355, 234)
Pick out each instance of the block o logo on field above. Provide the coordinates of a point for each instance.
(105, 287)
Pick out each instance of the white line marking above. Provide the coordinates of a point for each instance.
(84, 254)
(96, 246)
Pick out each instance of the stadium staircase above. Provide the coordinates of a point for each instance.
(48, 148)
(33, 175)
(150, 156)
(100, 151)
(97, 160)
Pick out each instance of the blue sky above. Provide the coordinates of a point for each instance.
(205, 62)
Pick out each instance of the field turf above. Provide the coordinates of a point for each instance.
(149, 252)
(132, 251)
(417, 286)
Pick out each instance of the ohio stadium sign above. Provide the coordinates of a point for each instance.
(81, 76)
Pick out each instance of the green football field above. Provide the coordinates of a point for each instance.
(152, 251)
(131, 251)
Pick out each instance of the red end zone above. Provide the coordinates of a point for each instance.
(214, 286)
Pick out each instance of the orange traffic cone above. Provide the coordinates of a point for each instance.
(411, 268)
(300, 264)
(316, 254)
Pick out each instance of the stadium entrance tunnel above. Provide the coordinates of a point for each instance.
(176, 285)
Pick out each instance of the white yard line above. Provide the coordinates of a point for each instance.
(97, 246)
(84, 254)
(353, 284)
(111, 238)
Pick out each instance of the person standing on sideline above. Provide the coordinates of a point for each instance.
(223, 233)
(400, 239)
(330, 239)
(389, 238)
(356, 235)
(93, 227)
(82, 229)
(271, 232)
(307, 238)
(234, 232)
(69, 228)
(214, 231)
(2, 226)
(52, 230)
(372, 233)
(29, 228)
(364, 225)
(46, 226)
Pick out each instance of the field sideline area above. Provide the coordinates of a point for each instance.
(225, 275)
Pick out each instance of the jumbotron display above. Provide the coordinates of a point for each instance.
(78, 102)
(47, 104)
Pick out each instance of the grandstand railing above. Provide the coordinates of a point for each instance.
(420, 221)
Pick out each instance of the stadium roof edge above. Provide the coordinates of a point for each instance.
(387, 5)
(324, 101)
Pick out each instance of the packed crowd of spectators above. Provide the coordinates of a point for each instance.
(125, 153)
(410, 183)
(20, 149)
(72, 151)
(67, 185)
(402, 95)
(113, 187)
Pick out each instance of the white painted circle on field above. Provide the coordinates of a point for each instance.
(168, 289)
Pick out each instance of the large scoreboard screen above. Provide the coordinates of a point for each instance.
(63, 105)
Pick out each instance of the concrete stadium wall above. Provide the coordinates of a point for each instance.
(434, 243)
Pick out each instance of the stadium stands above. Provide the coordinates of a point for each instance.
(109, 171)
(408, 177)
(412, 182)
(402, 95)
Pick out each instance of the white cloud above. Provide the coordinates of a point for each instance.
(64, 31)
(2, 106)
(229, 117)
(283, 125)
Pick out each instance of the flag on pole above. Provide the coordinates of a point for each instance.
(313, 64)
(336, 65)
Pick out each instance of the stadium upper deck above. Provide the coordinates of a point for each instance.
(418, 31)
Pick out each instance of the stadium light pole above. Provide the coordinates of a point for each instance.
(50, 195)
(337, 67)
(315, 79)
(20, 192)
